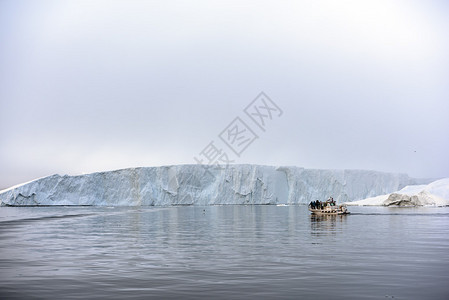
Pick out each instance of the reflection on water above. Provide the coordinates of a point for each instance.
(223, 252)
(326, 224)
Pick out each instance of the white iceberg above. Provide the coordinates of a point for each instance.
(433, 194)
(204, 185)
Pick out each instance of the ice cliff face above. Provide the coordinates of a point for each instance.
(196, 185)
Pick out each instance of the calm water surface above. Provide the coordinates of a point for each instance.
(227, 252)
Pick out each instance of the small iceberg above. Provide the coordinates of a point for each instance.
(433, 194)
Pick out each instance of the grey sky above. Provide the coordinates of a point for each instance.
(98, 85)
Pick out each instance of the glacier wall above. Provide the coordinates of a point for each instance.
(198, 185)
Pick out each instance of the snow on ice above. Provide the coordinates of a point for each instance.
(433, 194)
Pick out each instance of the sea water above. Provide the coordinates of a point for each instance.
(223, 252)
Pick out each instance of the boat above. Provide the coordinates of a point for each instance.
(327, 208)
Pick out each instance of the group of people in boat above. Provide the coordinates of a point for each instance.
(321, 205)
(327, 207)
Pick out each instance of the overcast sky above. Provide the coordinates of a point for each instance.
(89, 86)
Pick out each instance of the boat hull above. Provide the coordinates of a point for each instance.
(325, 211)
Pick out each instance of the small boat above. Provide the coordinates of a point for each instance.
(327, 208)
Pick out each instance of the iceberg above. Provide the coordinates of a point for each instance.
(205, 185)
(434, 194)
